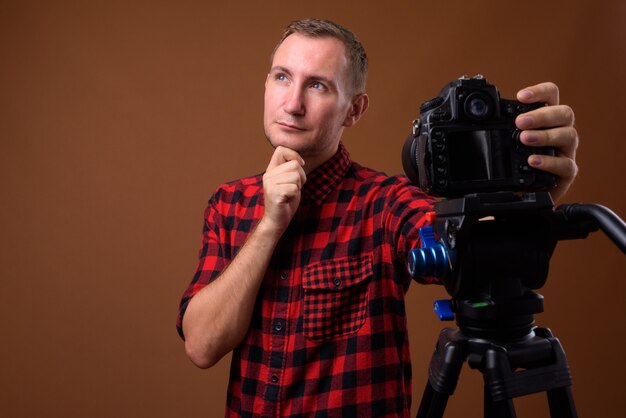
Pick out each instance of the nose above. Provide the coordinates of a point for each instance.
(294, 102)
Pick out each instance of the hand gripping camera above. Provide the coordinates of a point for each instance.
(490, 246)
(465, 141)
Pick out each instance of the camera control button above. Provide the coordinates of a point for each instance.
(437, 134)
(431, 104)
(440, 114)
(509, 110)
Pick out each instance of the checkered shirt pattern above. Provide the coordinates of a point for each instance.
(328, 335)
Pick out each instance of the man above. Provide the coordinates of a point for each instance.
(302, 270)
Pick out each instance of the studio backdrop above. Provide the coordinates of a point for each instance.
(118, 119)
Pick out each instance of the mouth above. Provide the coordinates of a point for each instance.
(290, 127)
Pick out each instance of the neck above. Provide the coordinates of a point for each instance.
(314, 161)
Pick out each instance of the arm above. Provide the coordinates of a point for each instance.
(218, 316)
(551, 126)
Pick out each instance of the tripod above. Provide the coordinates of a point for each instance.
(539, 356)
(493, 250)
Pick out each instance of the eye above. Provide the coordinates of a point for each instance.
(280, 77)
(317, 85)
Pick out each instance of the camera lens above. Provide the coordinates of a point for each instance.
(477, 106)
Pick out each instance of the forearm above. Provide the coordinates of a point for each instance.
(217, 317)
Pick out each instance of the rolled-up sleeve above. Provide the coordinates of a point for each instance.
(211, 260)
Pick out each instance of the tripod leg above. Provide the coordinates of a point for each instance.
(561, 403)
(445, 367)
(498, 409)
(433, 403)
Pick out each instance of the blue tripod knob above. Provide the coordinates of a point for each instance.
(443, 309)
(431, 260)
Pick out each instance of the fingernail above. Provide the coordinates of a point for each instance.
(534, 161)
(530, 138)
(525, 95)
(524, 122)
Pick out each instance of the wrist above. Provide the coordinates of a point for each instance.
(269, 229)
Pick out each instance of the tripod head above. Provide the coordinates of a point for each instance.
(493, 250)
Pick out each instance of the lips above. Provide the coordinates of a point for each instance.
(290, 126)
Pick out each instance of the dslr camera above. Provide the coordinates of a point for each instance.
(465, 141)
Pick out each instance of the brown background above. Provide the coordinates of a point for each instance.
(119, 118)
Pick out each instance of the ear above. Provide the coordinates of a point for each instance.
(359, 105)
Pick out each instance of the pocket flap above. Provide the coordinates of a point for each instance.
(337, 274)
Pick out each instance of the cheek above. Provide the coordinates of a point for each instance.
(268, 106)
(266, 101)
(270, 96)
(333, 118)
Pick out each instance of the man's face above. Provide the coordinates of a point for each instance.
(307, 96)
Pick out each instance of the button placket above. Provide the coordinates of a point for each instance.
(278, 326)
(278, 344)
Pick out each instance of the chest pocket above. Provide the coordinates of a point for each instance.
(335, 297)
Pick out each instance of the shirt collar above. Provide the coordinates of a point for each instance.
(325, 178)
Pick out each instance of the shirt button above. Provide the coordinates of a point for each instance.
(274, 379)
(337, 282)
(278, 325)
(284, 275)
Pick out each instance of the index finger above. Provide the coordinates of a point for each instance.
(282, 155)
(540, 93)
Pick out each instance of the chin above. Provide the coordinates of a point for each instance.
(287, 142)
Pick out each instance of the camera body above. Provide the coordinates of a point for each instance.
(465, 141)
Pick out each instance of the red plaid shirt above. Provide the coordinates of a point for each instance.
(328, 334)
